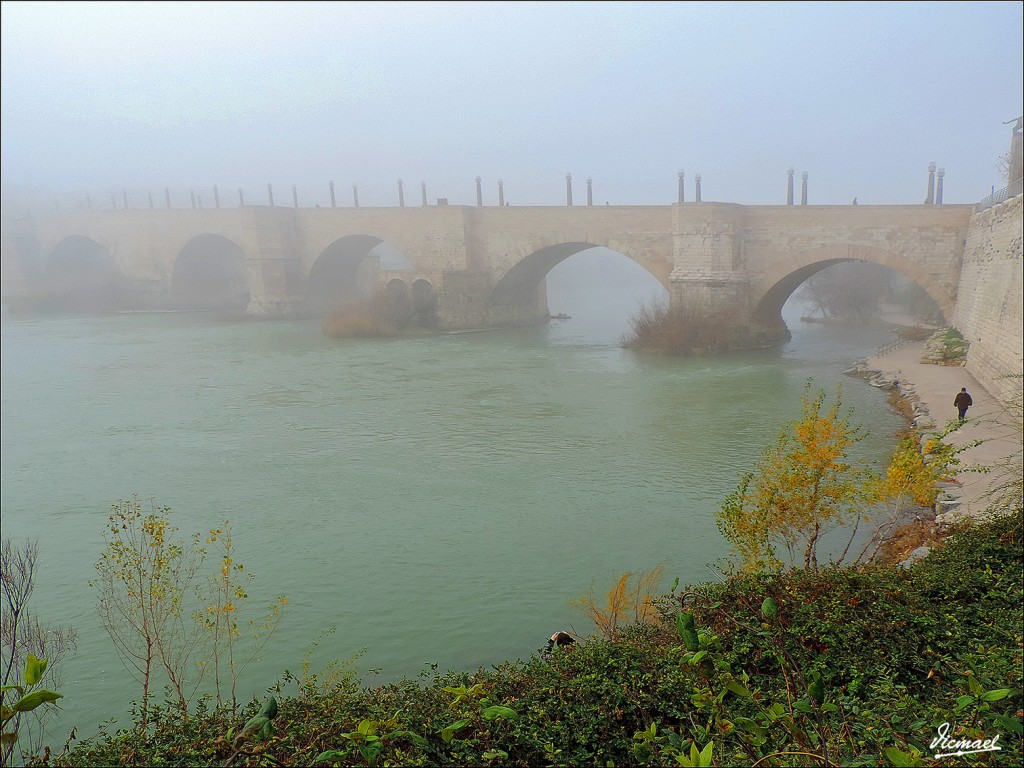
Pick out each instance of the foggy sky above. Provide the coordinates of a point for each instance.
(861, 96)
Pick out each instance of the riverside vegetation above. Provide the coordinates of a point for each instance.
(795, 661)
(388, 312)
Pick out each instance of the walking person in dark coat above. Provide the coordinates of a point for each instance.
(962, 401)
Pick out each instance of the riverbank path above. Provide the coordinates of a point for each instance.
(998, 428)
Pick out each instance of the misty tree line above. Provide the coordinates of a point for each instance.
(856, 291)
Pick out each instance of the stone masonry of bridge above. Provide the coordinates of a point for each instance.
(990, 302)
(486, 265)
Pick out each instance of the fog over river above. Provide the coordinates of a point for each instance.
(436, 499)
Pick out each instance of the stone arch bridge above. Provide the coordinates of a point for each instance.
(476, 267)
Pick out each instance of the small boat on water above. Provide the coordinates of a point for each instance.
(561, 316)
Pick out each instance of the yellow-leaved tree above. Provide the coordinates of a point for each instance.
(807, 484)
(913, 477)
(804, 485)
(909, 479)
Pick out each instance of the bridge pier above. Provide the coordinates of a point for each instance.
(270, 281)
(274, 266)
(461, 300)
(711, 280)
(464, 303)
(505, 315)
(723, 298)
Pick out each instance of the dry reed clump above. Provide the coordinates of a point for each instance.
(901, 405)
(364, 320)
(898, 545)
(386, 314)
(625, 603)
(679, 330)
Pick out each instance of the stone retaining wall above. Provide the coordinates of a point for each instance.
(990, 298)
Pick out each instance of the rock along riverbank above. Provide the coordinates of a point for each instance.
(991, 431)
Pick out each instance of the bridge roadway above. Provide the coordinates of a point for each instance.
(476, 266)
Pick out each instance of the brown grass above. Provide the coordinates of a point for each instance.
(912, 334)
(624, 602)
(901, 406)
(364, 320)
(921, 533)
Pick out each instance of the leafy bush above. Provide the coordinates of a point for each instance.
(954, 344)
(26, 645)
(849, 666)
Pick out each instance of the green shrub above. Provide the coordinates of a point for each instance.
(859, 666)
(954, 345)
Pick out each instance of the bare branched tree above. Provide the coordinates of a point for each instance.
(854, 290)
(848, 291)
(145, 577)
(22, 634)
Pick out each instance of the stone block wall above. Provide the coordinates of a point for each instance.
(989, 303)
(922, 242)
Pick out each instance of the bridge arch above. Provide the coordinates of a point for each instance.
(210, 273)
(81, 275)
(769, 293)
(520, 282)
(397, 287)
(424, 304)
(346, 271)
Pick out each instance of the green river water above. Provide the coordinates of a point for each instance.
(436, 500)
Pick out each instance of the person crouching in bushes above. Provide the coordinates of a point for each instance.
(557, 640)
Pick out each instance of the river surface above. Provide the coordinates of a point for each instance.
(437, 500)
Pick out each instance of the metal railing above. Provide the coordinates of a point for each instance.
(891, 346)
(1001, 196)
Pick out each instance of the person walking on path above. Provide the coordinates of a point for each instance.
(962, 401)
